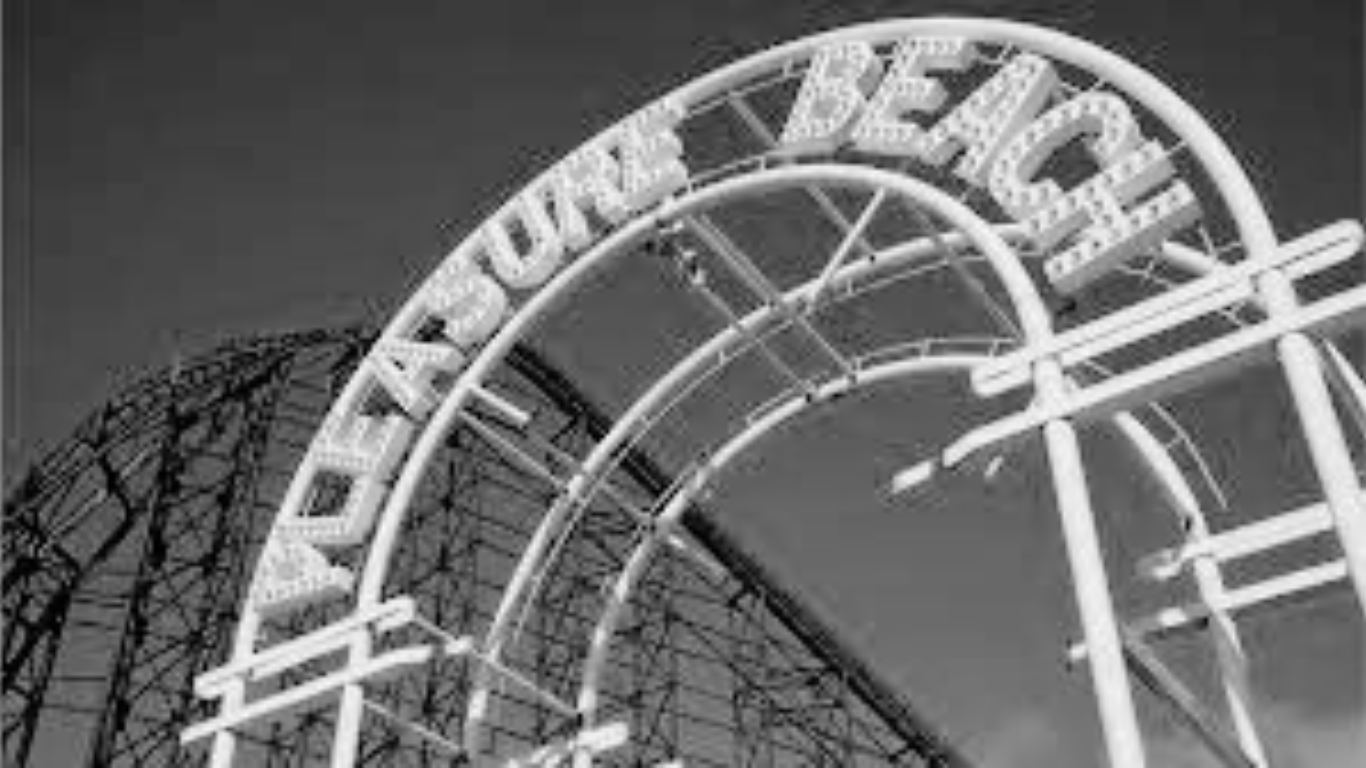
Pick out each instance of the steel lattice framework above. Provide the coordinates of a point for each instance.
(127, 552)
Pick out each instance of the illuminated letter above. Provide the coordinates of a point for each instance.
(470, 303)
(990, 116)
(831, 95)
(1104, 117)
(360, 452)
(1115, 233)
(905, 89)
(590, 175)
(291, 573)
(406, 368)
(533, 268)
(650, 151)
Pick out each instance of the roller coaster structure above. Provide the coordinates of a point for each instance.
(128, 550)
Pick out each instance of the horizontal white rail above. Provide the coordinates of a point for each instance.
(1239, 542)
(386, 616)
(1261, 595)
(1314, 252)
(312, 693)
(1176, 373)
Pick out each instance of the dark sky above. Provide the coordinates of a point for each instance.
(178, 173)
(192, 171)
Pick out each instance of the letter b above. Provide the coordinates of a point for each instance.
(835, 88)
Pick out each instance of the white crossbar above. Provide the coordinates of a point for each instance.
(1316, 251)
(1239, 542)
(309, 694)
(386, 616)
(1261, 595)
(1178, 372)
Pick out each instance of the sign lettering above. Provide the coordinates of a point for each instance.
(995, 136)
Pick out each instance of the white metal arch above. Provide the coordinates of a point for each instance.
(1051, 384)
(1225, 172)
(704, 473)
(722, 347)
(1300, 359)
(975, 232)
(725, 346)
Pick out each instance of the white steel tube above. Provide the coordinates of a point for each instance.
(1109, 674)
(351, 709)
(987, 239)
(224, 747)
(1322, 430)
(690, 487)
(1351, 389)
(1228, 646)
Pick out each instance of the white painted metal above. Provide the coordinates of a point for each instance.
(1209, 582)
(694, 483)
(426, 734)
(311, 693)
(590, 741)
(1011, 273)
(501, 406)
(1178, 372)
(851, 238)
(1314, 252)
(1057, 409)
(383, 617)
(1240, 542)
(1347, 380)
(1319, 423)
(857, 238)
(771, 419)
(1262, 595)
(1172, 691)
(749, 273)
(1124, 742)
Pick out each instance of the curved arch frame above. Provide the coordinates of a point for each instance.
(1297, 353)
(631, 425)
(687, 490)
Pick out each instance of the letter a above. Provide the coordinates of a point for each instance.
(406, 368)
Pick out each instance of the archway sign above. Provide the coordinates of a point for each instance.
(1032, 166)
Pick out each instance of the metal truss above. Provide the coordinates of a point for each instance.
(128, 551)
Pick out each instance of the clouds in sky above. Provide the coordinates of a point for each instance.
(1299, 738)
(1295, 738)
(1028, 739)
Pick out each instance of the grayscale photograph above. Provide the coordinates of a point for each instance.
(684, 384)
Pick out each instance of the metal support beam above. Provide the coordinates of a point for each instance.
(1332, 460)
(753, 277)
(698, 285)
(1119, 719)
(1190, 368)
(833, 214)
(1164, 684)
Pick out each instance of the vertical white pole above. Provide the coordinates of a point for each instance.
(224, 749)
(1109, 675)
(225, 741)
(1323, 432)
(350, 709)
